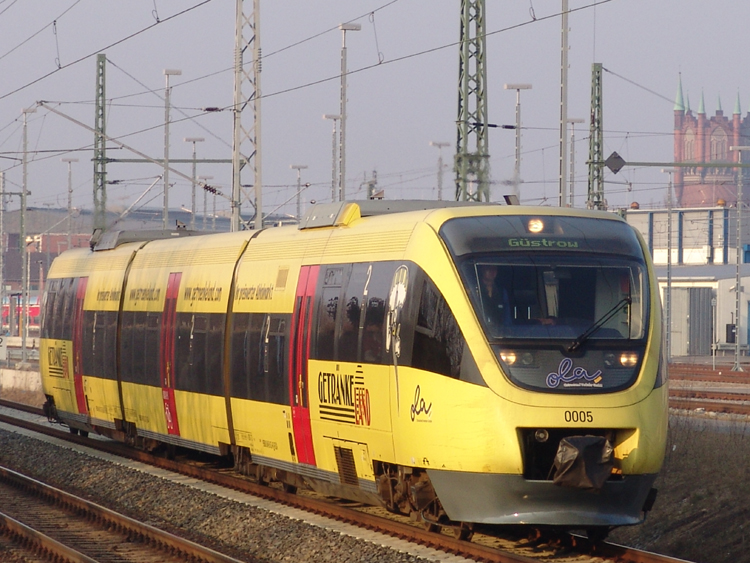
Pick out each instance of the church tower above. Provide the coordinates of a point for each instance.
(705, 140)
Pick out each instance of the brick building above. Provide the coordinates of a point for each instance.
(705, 140)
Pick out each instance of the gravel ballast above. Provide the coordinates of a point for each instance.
(242, 531)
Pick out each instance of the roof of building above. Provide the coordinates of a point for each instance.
(706, 272)
(678, 104)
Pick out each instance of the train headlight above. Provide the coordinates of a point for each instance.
(629, 359)
(527, 358)
(541, 435)
(535, 225)
(508, 357)
(609, 360)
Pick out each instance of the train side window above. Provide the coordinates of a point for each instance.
(240, 383)
(199, 351)
(59, 314)
(48, 318)
(353, 313)
(101, 328)
(274, 359)
(126, 345)
(212, 375)
(69, 302)
(252, 343)
(327, 311)
(198, 344)
(88, 347)
(183, 331)
(438, 341)
(260, 369)
(373, 327)
(151, 374)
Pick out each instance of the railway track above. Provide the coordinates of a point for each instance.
(720, 390)
(487, 544)
(57, 526)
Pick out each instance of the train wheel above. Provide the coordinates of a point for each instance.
(291, 489)
(464, 532)
(260, 475)
(432, 527)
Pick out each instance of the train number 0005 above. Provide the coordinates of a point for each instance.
(579, 416)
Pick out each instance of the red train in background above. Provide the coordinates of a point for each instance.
(11, 322)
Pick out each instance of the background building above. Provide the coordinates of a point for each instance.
(704, 140)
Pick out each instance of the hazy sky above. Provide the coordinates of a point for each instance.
(395, 108)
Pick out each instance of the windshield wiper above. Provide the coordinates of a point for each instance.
(578, 342)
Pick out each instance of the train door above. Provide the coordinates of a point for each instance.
(80, 294)
(167, 344)
(300, 351)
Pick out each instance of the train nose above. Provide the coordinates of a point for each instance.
(583, 462)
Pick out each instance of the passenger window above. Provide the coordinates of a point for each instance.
(273, 350)
(327, 311)
(246, 333)
(355, 299)
(259, 357)
(49, 308)
(373, 327)
(69, 301)
(438, 341)
(151, 367)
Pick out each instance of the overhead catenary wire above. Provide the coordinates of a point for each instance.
(158, 95)
(52, 24)
(104, 48)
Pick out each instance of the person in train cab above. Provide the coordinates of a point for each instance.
(495, 300)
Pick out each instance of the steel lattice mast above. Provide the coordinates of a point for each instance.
(472, 168)
(100, 147)
(596, 143)
(246, 152)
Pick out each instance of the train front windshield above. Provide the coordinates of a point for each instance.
(551, 297)
(556, 294)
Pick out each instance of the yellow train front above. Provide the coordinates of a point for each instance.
(467, 363)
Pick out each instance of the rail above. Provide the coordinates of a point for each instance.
(75, 528)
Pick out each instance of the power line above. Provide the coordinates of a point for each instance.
(206, 129)
(638, 85)
(51, 24)
(128, 37)
(431, 50)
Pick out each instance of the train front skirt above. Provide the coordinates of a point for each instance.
(511, 499)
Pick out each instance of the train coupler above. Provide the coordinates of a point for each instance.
(583, 462)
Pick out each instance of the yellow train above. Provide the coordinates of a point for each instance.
(469, 363)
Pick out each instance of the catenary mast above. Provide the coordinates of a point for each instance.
(472, 158)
